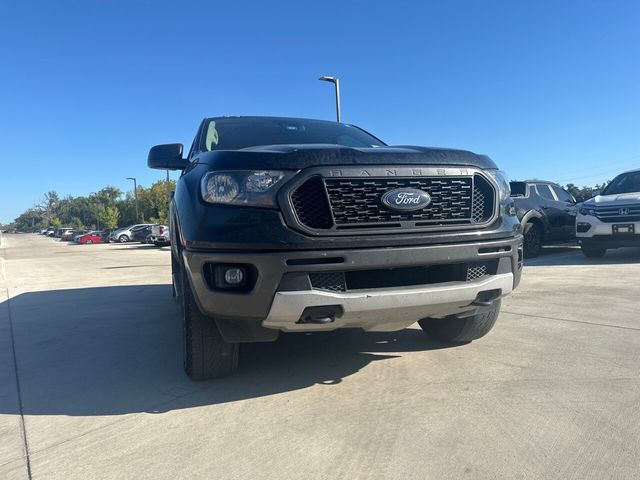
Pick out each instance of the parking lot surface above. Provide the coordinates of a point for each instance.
(91, 382)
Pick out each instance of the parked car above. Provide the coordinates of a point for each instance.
(140, 234)
(123, 235)
(50, 232)
(160, 236)
(286, 224)
(612, 218)
(547, 213)
(91, 237)
(79, 233)
(67, 235)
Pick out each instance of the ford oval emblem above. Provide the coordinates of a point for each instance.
(406, 199)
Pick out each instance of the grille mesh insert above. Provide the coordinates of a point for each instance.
(475, 271)
(311, 205)
(478, 206)
(330, 281)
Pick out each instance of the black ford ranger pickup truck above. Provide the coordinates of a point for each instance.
(295, 225)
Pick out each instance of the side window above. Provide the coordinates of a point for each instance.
(518, 189)
(562, 194)
(545, 191)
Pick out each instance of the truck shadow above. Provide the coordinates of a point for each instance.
(117, 350)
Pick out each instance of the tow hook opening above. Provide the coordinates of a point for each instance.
(321, 315)
(487, 297)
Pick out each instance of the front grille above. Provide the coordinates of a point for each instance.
(340, 281)
(357, 201)
(613, 214)
(348, 204)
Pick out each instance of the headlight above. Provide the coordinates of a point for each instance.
(588, 210)
(504, 190)
(255, 188)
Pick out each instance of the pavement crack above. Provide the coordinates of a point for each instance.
(23, 427)
(595, 324)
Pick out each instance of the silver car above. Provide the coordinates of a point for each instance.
(123, 235)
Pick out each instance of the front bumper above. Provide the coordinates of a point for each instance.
(277, 301)
(592, 232)
(385, 310)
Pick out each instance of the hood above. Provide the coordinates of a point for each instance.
(296, 157)
(614, 200)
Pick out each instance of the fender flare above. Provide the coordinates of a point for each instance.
(528, 216)
(175, 232)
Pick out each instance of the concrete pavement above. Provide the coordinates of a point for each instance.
(97, 386)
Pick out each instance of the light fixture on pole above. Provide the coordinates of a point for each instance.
(135, 195)
(336, 82)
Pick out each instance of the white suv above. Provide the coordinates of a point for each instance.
(611, 219)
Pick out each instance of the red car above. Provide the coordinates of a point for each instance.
(91, 237)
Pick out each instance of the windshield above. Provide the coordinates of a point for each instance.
(625, 183)
(243, 132)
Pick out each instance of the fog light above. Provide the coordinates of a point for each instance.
(583, 227)
(234, 276)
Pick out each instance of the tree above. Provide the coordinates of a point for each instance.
(48, 206)
(109, 195)
(127, 209)
(108, 216)
(76, 223)
(29, 220)
(584, 193)
(154, 201)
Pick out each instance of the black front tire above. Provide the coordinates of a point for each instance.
(206, 354)
(593, 252)
(461, 330)
(532, 240)
(123, 238)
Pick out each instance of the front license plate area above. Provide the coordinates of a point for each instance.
(624, 229)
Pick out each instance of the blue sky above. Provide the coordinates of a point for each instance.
(547, 89)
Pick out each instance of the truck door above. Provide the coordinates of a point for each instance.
(553, 210)
(568, 205)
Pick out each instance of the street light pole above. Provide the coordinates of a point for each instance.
(96, 213)
(168, 189)
(336, 82)
(135, 195)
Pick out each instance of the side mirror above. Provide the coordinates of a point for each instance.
(167, 157)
